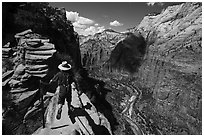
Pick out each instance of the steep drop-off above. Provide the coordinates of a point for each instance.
(169, 78)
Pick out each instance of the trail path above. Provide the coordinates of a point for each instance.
(64, 125)
(53, 126)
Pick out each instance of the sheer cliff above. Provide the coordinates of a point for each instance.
(168, 75)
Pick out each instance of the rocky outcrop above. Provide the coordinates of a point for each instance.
(38, 39)
(30, 66)
(172, 68)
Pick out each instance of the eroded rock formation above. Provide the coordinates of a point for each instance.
(37, 38)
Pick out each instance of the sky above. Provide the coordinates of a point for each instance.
(89, 18)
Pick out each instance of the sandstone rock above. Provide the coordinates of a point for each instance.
(45, 52)
(7, 75)
(173, 61)
(19, 71)
(22, 100)
(6, 50)
(36, 67)
(36, 57)
(33, 72)
(18, 90)
(18, 35)
(14, 83)
(46, 46)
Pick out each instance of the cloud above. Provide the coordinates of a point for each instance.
(78, 25)
(155, 3)
(86, 21)
(115, 23)
(82, 25)
(72, 16)
(78, 21)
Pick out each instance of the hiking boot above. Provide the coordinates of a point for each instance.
(59, 114)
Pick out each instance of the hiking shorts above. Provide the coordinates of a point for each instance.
(64, 93)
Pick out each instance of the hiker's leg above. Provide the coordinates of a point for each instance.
(62, 95)
(59, 111)
(68, 98)
(61, 100)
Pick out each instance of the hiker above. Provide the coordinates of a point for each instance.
(64, 78)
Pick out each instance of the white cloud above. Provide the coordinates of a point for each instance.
(78, 25)
(82, 25)
(72, 16)
(154, 3)
(86, 21)
(115, 23)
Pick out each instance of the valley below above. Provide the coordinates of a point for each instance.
(146, 81)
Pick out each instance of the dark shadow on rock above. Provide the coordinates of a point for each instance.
(97, 129)
(96, 91)
(128, 53)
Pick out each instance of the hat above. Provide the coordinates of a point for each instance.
(64, 66)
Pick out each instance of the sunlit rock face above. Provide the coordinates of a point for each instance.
(172, 68)
(169, 72)
(96, 49)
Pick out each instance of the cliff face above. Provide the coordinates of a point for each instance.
(170, 76)
(172, 67)
(96, 49)
(36, 39)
